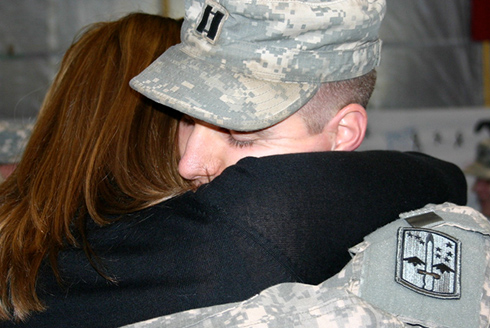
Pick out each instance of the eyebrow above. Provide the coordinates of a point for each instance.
(264, 133)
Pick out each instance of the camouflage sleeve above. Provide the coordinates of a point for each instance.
(285, 305)
(430, 268)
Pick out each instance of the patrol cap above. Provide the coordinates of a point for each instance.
(248, 64)
(480, 168)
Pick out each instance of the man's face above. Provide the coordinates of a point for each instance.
(481, 187)
(206, 150)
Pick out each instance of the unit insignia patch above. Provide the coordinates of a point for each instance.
(428, 262)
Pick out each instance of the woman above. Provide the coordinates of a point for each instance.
(113, 146)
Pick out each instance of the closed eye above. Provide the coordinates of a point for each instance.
(239, 143)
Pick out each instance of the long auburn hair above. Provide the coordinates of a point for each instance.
(98, 148)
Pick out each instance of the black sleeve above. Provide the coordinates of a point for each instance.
(262, 222)
(312, 207)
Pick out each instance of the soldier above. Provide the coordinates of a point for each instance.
(257, 79)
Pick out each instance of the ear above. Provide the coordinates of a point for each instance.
(348, 127)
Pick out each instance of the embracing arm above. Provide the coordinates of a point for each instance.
(314, 206)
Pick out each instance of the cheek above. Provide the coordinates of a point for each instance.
(231, 155)
(316, 143)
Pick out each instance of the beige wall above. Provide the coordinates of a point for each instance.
(173, 8)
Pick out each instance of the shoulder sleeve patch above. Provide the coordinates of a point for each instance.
(428, 262)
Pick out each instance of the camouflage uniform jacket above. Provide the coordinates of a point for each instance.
(430, 268)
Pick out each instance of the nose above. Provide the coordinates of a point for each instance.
(201, 160)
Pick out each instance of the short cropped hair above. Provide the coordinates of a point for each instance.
(333, 96)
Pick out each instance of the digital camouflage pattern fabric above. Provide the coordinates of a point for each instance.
(365, 293)
(248, 64)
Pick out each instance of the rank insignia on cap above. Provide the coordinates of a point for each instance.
(211, 20)
(428, 262)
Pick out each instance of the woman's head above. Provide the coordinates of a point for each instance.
(98, 148)
(93, 123)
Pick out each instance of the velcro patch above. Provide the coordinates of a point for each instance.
(211, 20)
(429, 262)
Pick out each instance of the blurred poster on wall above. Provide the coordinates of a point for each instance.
(448, 134)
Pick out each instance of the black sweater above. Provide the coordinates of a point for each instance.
(262, 222)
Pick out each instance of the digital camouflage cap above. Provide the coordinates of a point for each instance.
(248, 64)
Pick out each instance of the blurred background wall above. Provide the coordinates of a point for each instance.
(432, 82)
